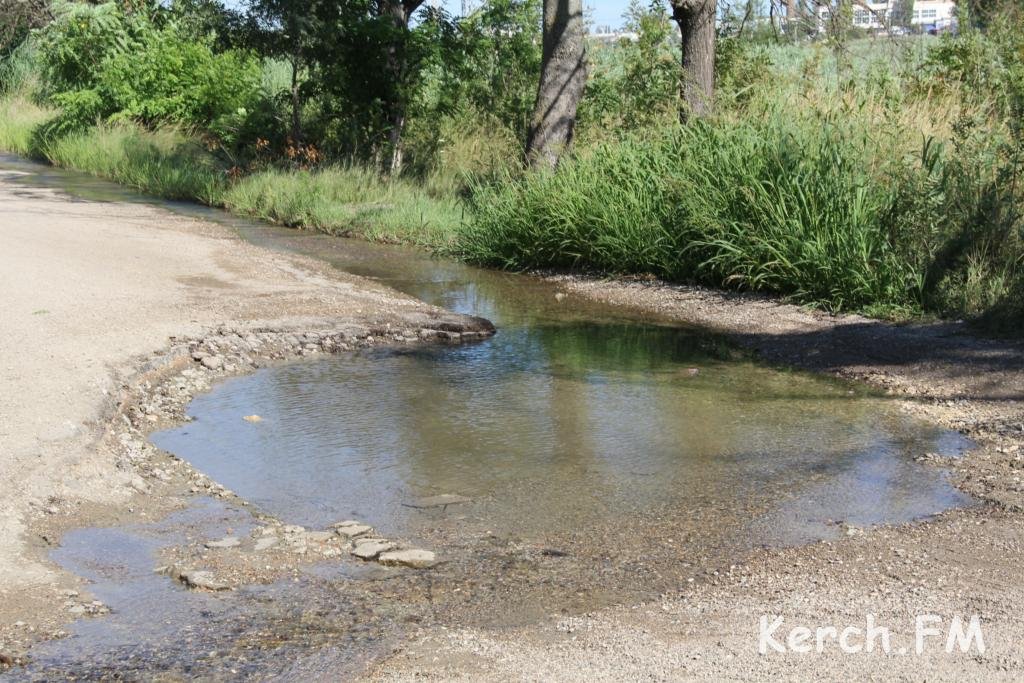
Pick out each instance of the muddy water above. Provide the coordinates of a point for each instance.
(607, 457)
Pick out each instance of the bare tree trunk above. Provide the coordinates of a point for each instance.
(696, 20)
(562, 79)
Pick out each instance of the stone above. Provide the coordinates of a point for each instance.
(212, 362)
(352, 530)
(290, 529)
(77, 610)
(253, 418)
(319, 536)
(442, 500)
(201, 579)
(266, 542)
(372, 547)
(226, 542)
(413, 557)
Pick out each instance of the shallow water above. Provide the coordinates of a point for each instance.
(609, 456)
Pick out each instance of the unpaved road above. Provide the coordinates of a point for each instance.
(90, 290)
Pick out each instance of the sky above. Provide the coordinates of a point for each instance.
(602, 12)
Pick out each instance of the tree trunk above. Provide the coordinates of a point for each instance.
(400, 11)
(696, 20)
(296, 100)
(562, 79)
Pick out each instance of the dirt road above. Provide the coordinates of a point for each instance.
(91, 293)
(97, 295)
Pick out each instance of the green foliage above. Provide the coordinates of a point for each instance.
(108, 62)
(345, 201)
(779, 207)
(635, 84)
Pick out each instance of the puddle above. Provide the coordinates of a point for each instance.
(607, 456)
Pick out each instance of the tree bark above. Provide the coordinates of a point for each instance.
(562, 79)
(400, 11)
(696, 20)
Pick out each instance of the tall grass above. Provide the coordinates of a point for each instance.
(170, 163)
(165, 163)
(346, 201)
(19, 119)
(782, 206)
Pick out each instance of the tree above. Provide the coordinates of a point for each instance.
(902, 14)
(400, 11)
(696, 20)
(288, 30)
(562, 79)
(17, 18)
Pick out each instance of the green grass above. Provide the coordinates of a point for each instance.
(780, 207)
(346, 201)
(19, 118)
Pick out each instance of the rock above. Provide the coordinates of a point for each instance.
(290, 529)
(266, 542)
(413, 557)
(139, 484)
(370, 548)
(202, 579)
(560, 296)
(226, 542)
(212, 362)
(253, 418)
(351, 529)
(77, 610)
(319, 536)
(8, 658)
(442, 500)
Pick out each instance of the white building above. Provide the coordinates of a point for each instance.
(877, 14)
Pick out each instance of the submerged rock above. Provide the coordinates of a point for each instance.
(252, 418)
(413, 557)
(442, 500)
(226, 542)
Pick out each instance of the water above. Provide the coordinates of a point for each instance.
(609, 456)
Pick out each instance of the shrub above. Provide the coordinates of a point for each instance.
(104, 62)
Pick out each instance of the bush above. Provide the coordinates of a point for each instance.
(797, 206)
(105, 62)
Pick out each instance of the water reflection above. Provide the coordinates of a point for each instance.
(557, 428)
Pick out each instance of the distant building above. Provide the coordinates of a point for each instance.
(609, 36)
(926, 15)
